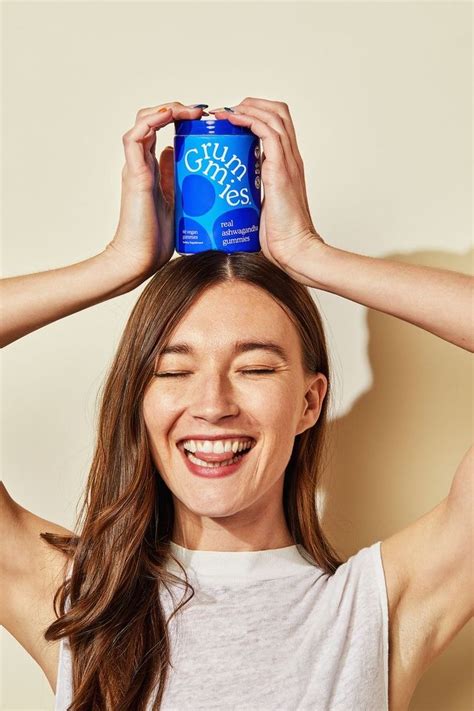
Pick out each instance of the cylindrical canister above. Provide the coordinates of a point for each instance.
(217, 169)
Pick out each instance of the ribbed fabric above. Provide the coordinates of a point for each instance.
(269, 630)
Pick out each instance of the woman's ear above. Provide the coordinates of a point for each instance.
(316, 389)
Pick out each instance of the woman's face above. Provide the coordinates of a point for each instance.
(219, 396)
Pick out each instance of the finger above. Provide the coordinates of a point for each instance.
(134, 138)
(145, 127)
(275, 121)
(255, 124)
(283, 110)
(270, 137)
(176, 105)
(166, 170)
(179, 111)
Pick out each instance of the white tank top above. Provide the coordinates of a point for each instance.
(269, 630)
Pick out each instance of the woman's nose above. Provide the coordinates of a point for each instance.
(214, 397)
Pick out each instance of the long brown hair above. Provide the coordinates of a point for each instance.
(116, 626)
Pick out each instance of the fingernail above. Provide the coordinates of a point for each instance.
(200, 106)
(164, 109)
(227, 108)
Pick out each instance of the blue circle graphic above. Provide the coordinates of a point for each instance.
(198, 195)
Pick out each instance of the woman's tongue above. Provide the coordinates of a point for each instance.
(213, 457)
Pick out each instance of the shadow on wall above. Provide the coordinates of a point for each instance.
(395, 454)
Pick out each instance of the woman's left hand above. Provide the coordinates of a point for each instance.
(286, 227)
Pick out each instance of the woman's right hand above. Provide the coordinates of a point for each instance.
(144, 239)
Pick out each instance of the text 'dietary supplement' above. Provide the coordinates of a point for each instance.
(217, 181)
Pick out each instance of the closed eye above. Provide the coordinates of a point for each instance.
(169, 375)
(260, 370)
(178, 375)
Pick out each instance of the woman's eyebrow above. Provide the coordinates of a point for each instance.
(239, 347)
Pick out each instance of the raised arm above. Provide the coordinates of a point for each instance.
(438, 300)
(34, 300)
(143, 242)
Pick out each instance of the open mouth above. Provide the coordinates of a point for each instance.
(193, 457)
(214, 464)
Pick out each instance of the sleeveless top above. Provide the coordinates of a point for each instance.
(269, 630)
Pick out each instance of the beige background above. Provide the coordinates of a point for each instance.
(380, 97)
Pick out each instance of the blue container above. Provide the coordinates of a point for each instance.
(217, 182)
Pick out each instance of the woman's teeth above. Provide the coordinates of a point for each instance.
(217, 446)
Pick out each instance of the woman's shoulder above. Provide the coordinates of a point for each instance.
(31, 571)
(23, 550)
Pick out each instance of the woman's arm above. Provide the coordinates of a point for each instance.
(143, 242)
(34, 300)
(437, 300)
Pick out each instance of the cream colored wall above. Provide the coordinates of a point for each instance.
(380, 97)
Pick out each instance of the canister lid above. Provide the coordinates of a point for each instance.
(210, 127)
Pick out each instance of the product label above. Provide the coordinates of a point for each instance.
(217, 193)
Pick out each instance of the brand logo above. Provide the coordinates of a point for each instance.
(218, 168)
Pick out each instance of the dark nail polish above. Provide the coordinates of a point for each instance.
(200, 106)
(226, 108)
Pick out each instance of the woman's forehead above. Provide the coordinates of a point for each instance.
(235, 319)
(242, 303)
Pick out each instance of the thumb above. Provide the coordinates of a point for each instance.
(167, 173)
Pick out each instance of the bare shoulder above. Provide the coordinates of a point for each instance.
(23, 553)
(31, 571)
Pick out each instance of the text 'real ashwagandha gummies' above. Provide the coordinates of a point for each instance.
(217, 182)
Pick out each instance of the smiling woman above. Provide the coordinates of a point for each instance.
(253, 368)
(212, 440)
(211, 382)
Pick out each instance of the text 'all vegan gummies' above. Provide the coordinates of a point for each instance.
(217, 186)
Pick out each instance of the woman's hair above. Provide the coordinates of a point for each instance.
(116, 625)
